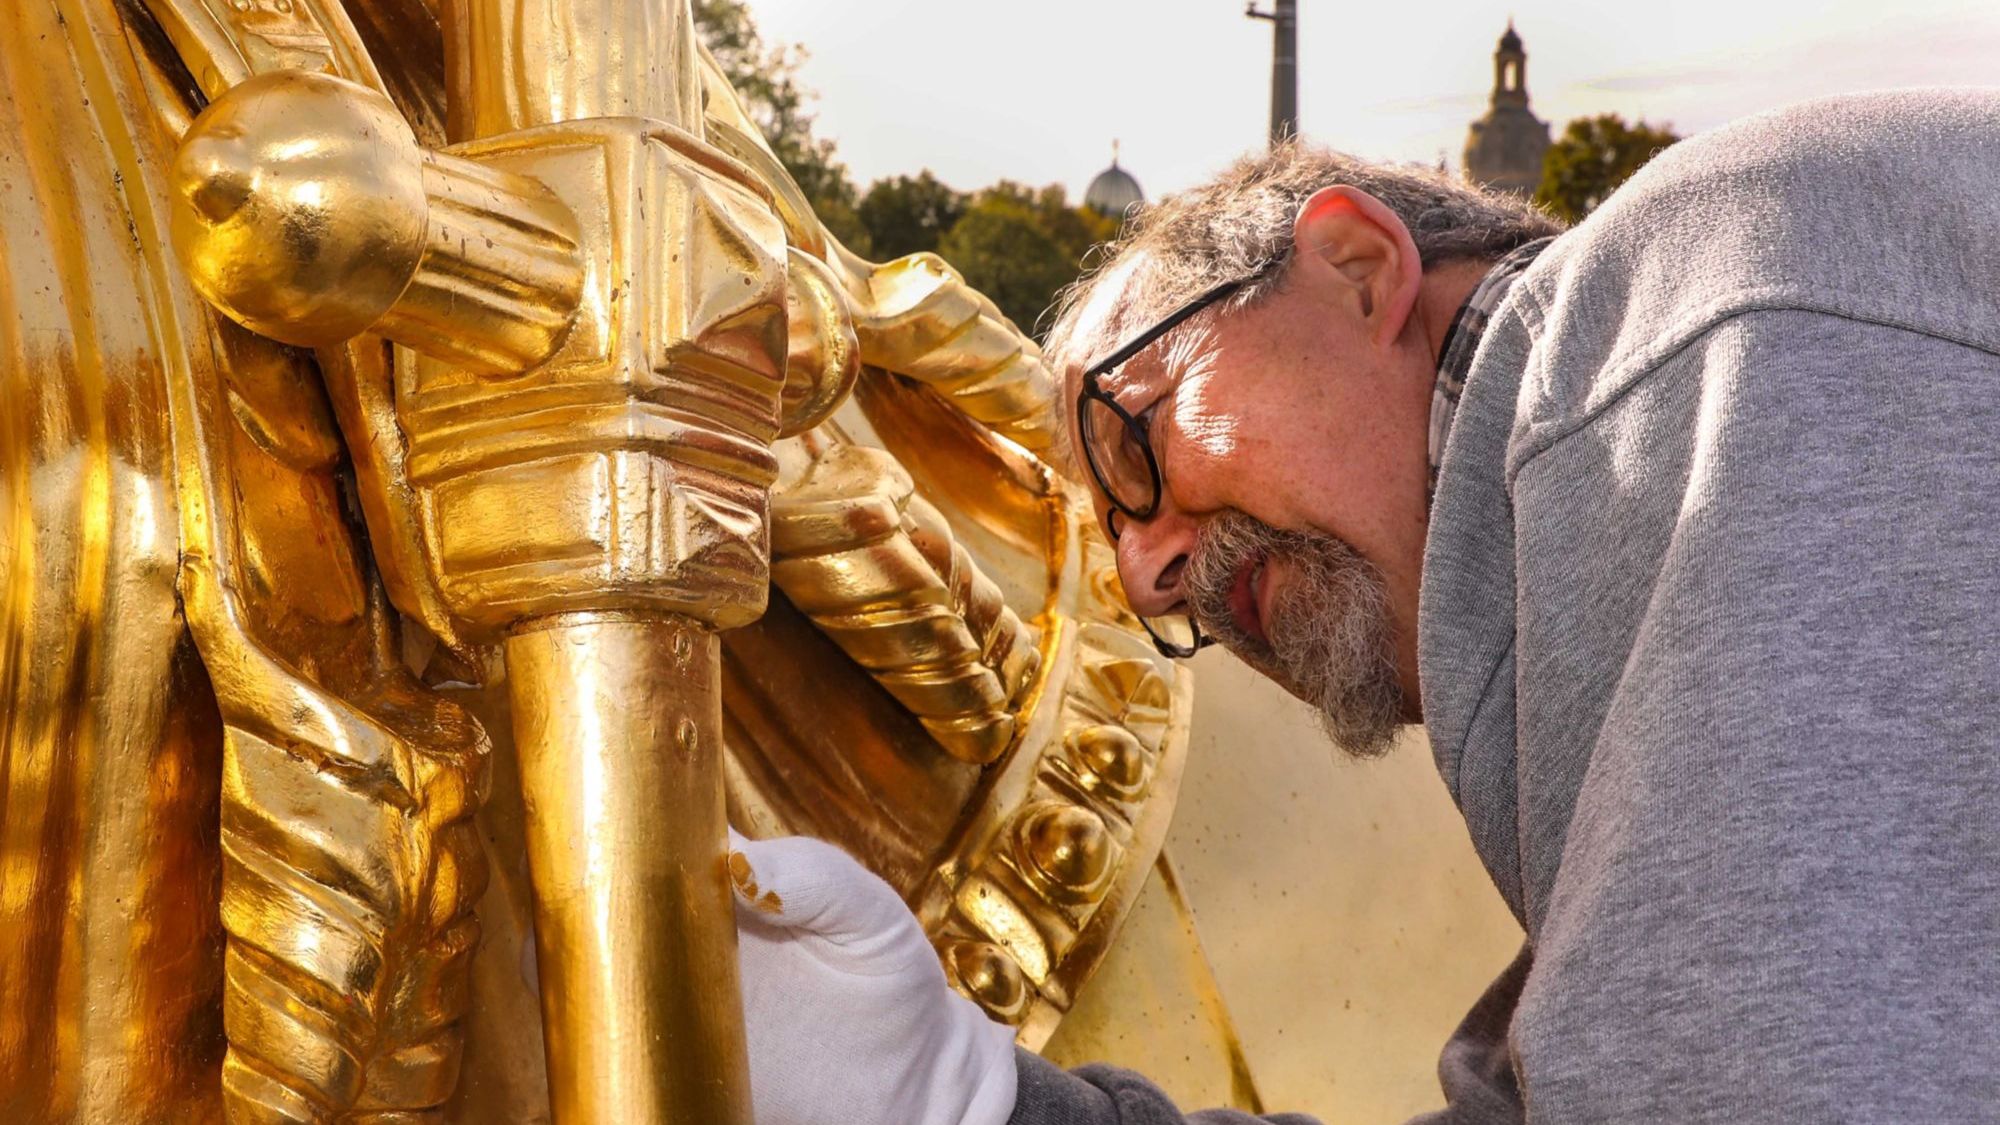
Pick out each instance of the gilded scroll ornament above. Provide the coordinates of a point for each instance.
(875, 566)
(349, 875)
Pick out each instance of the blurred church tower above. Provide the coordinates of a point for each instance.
(1504, 148)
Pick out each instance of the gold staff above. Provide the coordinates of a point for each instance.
(616, 696)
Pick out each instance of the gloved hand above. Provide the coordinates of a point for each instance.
(850, 1019)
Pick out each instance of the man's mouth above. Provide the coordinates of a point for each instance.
(1243, 575)
(1246, 599)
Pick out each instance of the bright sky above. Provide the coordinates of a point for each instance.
(1036, 90)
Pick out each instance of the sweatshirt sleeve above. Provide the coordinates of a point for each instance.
(1107, 1095)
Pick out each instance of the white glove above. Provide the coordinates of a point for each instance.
(850, 1019)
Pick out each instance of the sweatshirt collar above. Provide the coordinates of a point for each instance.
(1461, 341)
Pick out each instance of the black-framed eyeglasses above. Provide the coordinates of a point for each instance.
(1119, 453)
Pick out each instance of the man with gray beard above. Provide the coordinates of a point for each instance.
(1329, 639)
(1678, 533)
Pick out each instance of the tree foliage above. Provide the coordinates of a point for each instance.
(1020, 246)
(767, 79)
(910, 214)
(1593, 156)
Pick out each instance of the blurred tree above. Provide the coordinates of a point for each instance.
(767, 79)
(1016, 244)
(909, 214)
(1593, 156)
(1020, 246)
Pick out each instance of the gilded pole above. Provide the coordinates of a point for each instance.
(619, 728)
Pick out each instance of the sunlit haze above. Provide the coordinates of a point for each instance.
(1036, 90)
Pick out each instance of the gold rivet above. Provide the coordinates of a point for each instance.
(990, 978)
(1111, 756)
(1068, 850)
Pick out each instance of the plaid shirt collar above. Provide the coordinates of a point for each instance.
(1461, 341)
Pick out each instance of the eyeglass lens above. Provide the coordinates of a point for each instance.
(1119, 457)
(1174, 636)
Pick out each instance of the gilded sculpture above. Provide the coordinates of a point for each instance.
(449, 472)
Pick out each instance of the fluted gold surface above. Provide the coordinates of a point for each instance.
(875, 567)
(350, 870)
(923, 321)
(110, 749)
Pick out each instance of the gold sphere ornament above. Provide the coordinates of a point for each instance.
(1110, 758)
(1068, 850)
(990, 978)
(304, 209)
(298, 206)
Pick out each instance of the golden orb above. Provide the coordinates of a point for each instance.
(1067, 849)
(298, 206)
(990, 978)
(1110, 757)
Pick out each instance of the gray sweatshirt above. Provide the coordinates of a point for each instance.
(1710, 642)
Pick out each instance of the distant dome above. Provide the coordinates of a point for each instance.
(1113, 192)
(1512, 40)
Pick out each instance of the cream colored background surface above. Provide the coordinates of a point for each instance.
(1346, 923)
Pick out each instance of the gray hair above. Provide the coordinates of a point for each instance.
(1239, 225)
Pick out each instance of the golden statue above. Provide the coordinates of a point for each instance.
(448, 470)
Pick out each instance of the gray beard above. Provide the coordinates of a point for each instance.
(1331, 642)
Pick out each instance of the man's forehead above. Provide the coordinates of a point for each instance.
(1128, 307)
(1114, 312)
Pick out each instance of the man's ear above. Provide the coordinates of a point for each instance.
(1352, 240)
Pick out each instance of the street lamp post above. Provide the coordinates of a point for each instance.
(1284, 17)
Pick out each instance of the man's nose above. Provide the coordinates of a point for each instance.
(1152, 554)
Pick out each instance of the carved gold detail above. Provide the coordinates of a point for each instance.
(1065, 851)
(350, 867)
(629, 471)
(227, 41)
(1109, 760)
(307, 212)
(591, 385)
(875, 567)
(825, 357)
(915, 317)
(1052, 881)
(922, 320)
(990, 978)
